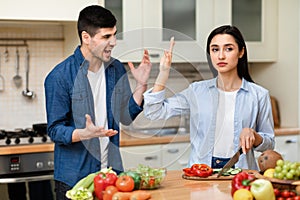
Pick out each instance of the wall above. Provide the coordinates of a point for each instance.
(282, 77)
(16, 110)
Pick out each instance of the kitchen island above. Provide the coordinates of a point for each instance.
(175, 187)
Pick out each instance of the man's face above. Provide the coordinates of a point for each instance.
(101, 45)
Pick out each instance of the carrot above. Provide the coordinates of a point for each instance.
(140, 195)
(121, 196)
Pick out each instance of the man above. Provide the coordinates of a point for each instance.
(87, 96)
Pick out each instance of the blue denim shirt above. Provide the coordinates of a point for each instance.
(200, 101)
(68, 99)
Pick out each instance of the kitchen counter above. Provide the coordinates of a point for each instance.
(133, 139)
(286, 131)
(7, 150)
(128, 139)
(175, 187)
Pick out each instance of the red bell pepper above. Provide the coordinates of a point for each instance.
(188, 172)
(201, 170)
(101, 181)
(241, 180)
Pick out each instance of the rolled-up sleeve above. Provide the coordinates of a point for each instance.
(157, 107)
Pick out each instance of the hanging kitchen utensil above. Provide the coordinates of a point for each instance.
(17, 78)
(27, 92)
(6, 55)
(2, 81)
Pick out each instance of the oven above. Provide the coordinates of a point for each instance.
(26, 155)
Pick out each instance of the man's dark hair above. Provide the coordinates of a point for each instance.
(92, 18)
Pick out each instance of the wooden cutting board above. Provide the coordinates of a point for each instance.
(214, 177)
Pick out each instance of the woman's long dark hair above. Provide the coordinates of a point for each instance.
(242, 66)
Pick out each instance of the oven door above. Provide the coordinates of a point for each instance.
(26, 177)
(26, 167)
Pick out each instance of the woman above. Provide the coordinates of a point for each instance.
(226, 112)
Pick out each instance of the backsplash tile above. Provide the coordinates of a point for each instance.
(17, 111)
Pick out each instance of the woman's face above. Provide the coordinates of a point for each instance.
(224, 53)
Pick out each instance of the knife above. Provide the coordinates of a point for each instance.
(231, 162)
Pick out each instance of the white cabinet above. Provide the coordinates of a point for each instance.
(150, 24)
(288, 146)
(185, 20)
(258, 22)
(149, 155)
(173, 156)
(57, 10)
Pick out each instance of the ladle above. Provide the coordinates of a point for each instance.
(27, 92)
(17, 78)
(6, 54)
(2, 81)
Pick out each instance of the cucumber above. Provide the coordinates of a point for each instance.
(235, 171)
(215, 171)
(231, 171)
(226, 174)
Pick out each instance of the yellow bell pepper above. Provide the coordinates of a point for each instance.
(262, 190)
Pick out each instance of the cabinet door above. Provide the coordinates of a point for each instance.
(175, 156)
(188, 21)
(66, 10)
(149, 155)
(288, 147)
(150, 25)
(257, 20)
(129, 16)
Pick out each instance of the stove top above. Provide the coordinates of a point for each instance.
(25, 136)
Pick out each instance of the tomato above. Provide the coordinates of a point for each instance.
(292, 194)
(289, 198)
(285, 193)
(277, 192)
(280, 198)
(136, 177)
(151, 182)
(109, 192)
(125, 183)
(296, 198)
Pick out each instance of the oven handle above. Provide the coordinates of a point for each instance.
(25, 179)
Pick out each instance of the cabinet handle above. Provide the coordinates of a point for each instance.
(173, 150)
(291, 141)
(154, 55)
(151, 158)
(183, 162)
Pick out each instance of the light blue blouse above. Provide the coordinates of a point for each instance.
(200, 101)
